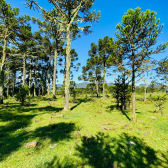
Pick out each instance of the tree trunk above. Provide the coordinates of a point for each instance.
(97, 88)
(67, 81)
(35, 72)
(7, 93)
(42, 90)
(53, 76)
(14, 78)
(24, 68)
(55, 72)
(133, 92)
(64, 71)
(145, 94)
(30, 78)
(104, 76)
(49, 76)
(2, 71)
(48, 84)
(1, 85)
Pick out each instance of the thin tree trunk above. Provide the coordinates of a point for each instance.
(53, 76)
(133, 92)
(42, 90)
(1, 85)
(8, 86)
(55, 72)
(48, 84)
(104, 76)
(67, 81)
(24, 68)
(30, 78)
(145, 94)
(35, 72)
(14, 77)
(2, 71)
(49, 77)
(64, 71)
(97, 88)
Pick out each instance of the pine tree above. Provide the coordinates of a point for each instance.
(70, 13)
(8, 22)
(137, 34)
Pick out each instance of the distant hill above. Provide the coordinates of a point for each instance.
(83, 85)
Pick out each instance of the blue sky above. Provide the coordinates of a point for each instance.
(111, 14)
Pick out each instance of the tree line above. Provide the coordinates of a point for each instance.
(31, 59)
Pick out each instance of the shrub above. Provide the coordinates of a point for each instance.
(159, 101)
(22, 94)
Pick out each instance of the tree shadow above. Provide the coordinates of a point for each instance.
(81, 101)
(16, 105)
(13, 134)
(126, 151)
(10, 143)
(111, 108)
(55, 132)
(124, 113)
(48, 109)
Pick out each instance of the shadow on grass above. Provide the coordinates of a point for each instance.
(81, 101)
(102, 151)
(111, 108)
(13, 134)
(125, 113)
(16, 105)
(10, 143)
(55, 132)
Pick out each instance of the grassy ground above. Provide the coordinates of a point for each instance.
(94, 133)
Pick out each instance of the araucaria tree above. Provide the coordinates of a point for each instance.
(162, 69)
(70, 13)
(8, 22)
(107, 55)
(137, 35)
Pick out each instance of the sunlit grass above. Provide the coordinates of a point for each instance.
(94, 133)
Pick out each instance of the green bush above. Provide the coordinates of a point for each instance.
(159, 101)
(22, 94)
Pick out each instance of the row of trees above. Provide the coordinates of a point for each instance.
(37, 55)
(130, 52)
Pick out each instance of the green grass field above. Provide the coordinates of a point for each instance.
(94, 133)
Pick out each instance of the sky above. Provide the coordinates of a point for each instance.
(111, 14)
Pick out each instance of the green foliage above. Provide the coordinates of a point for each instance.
(22, 94)
(162, 69)
(152, 87)
(159, 101)
(121, 91)
(140, 90)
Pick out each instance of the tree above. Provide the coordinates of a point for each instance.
(152, 87)
(145, 69)
(8, 22)
(121, 91)
(75, 67)
(70, 13)
(51, 29)
(92, 71)
(162, 69)
(137, 34)
(107, 55)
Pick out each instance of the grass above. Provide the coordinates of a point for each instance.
(94, 133)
